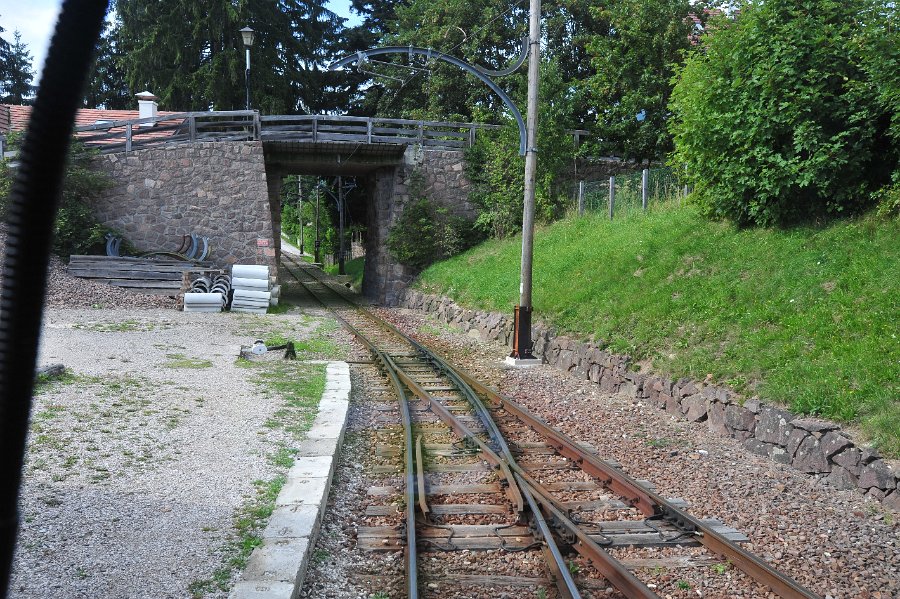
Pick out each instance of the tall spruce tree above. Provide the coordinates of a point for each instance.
(19, 72)
(378, 20)
(191, 54)
(106, 87)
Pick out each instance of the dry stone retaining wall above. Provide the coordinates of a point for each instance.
(213, 189)
(817, 447)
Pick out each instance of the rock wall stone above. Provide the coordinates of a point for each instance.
(438, 175)
(815, 446)
(213, 189)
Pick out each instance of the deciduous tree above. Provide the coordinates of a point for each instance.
(633, 61)
(776, 118)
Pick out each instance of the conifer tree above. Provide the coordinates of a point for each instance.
(19, 72)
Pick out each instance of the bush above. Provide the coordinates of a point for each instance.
(776, 118)
(76, 231)
(425, 234)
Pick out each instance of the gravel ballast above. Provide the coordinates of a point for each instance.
(837, 543)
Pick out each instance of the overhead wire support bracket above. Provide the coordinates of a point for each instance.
(430, 54)
(523, 56)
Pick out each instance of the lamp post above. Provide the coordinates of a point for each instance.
(318, 241)
(247, 34)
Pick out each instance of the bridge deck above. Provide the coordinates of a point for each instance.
(243, 125)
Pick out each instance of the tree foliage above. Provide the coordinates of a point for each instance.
(497, 171)
(76, 230)
(777, 118)
(425, 234)
(17, 71)
(634, 60)
(481, 33)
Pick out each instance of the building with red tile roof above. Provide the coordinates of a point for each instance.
(14, 118)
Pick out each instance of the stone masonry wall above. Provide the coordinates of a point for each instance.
(214, 189)
(817, 447)
(435, 174)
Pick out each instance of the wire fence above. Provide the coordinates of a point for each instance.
(631, 192)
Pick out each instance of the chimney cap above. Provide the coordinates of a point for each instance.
(145, 95)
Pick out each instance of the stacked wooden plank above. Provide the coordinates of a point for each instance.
(161, 276)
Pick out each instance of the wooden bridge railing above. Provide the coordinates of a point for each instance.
(134, 134)
(246, 125)
(319, 128)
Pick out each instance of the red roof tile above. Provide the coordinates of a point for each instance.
(15, 118)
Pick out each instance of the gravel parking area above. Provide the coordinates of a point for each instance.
(138, 462)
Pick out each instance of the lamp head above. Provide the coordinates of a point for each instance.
(248, 35)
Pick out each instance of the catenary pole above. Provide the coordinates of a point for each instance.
(522, 343)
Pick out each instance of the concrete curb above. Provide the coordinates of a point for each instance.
(276, 568)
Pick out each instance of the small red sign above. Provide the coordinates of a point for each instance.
(262, 243)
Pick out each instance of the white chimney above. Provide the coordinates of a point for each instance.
(146, 106)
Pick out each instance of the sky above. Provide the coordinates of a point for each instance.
(35, 20)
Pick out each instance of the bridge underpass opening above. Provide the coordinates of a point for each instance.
(368, 173)
(388, 178)
(311, 218)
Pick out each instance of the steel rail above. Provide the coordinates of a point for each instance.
(411, 551)
(646, 501)
(557, 565)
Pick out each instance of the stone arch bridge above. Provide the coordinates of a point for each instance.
(219, 174)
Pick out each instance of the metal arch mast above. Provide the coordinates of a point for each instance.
(481, 74)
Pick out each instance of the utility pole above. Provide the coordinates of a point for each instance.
(341, 270)
(522, 343)
(302, 224)
(318, 242)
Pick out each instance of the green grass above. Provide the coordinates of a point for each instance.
(805, 317)
(354, 270)
(248, 523)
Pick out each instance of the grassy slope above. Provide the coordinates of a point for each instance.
(353, 268)
(806, 317)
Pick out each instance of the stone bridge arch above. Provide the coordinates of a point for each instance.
(230, 192)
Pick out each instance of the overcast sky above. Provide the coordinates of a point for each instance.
(35, 20)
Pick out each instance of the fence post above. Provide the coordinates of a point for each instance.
(612, 196)
(645, 187)
(192, 125)
(369, 130)
(315, 128)
(581, 198)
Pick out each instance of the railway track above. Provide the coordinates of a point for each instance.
(473, 471)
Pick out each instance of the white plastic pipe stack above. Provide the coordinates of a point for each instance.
(250, 283)
(203, 302)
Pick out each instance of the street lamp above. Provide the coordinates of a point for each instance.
(248, 35)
